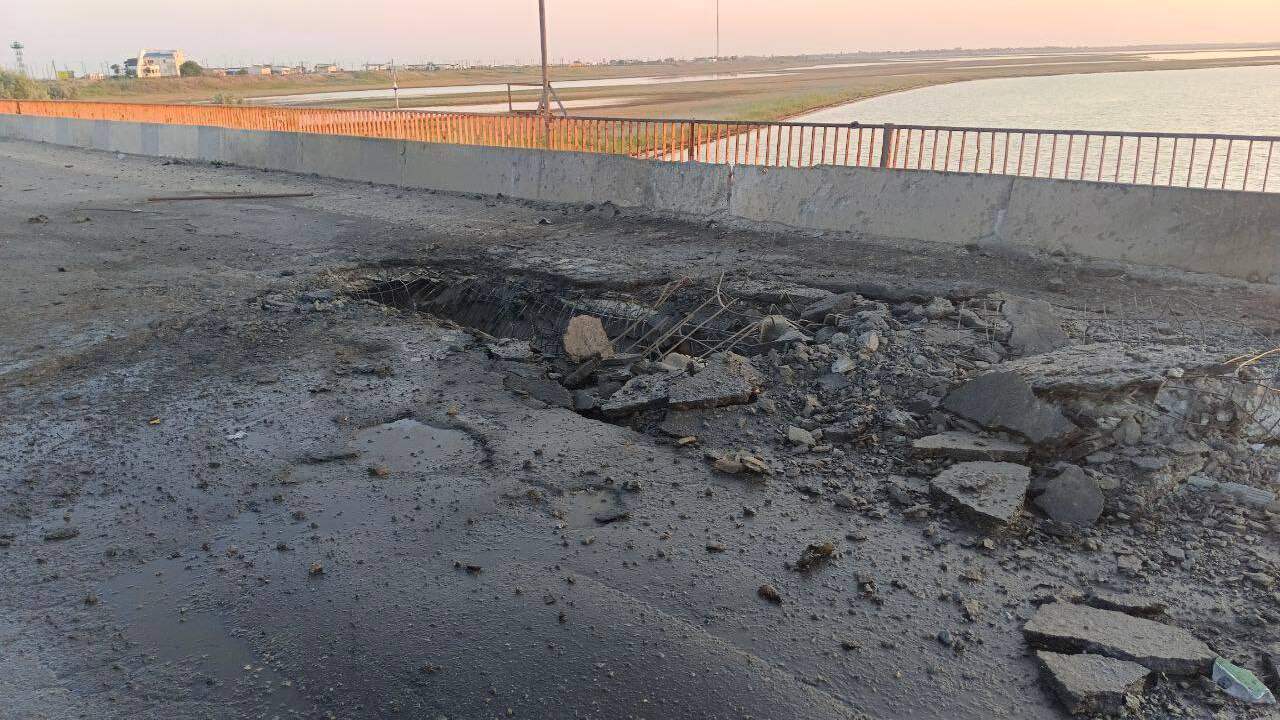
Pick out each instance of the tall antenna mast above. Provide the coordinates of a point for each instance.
(17, 53)
(717, 29)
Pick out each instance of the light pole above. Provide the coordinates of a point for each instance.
(717, 29)
(545, 104)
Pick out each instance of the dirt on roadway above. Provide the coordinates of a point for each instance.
(326, 457)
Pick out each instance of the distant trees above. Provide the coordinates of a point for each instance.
(20, 87)
(190, 68)
(115, 69)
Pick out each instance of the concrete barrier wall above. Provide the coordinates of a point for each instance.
(1228, 233)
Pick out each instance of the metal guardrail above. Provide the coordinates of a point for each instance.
(1206, 161)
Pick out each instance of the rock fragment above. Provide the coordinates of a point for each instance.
(1035, 327)
(1004, 400)
(990, 492)
(961, 445)
(585, 338)
(814, 555)
(1092, 684)
(800, 437)
(770, 593)
(834, 304)
(1073, 497)
(1078, 628)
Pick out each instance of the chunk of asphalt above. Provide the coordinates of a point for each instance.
(728, 379)
(961, 445)
(1073, 497)
(1126, 603)
(834, 304)
(1092, 684)
(640, 393)
(989, 492)
(1035, 328)
(1004, 400)
(539, 388)
(1065, 627)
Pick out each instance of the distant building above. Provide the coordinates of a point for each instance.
(155, 63)
(326, 68)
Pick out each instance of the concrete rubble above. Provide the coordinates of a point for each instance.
(1005, 401)
(1066, 627)
(961, 445)
(1093, 684)
(671, 468)
(987, 491)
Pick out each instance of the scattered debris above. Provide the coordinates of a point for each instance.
(770, 593)
(1241, 684)
(815, 554)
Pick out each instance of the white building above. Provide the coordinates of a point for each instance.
(156, 63)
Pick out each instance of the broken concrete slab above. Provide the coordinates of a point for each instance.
(539, 388)
(775, 293)
(682, 423)
(585, 338)
(834, 304)
(1035, 327)
(1126, 603)
(990, 492)
(1108, 367)
(639, 393)
(1004, 400)
(1073, 497)
(1065, 627)
(1092, 684)
(961, 445)
(511, 349)
(728, 379)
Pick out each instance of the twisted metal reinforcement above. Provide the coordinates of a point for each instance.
(1202, 161)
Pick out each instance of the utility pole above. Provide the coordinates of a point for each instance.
(545, 103)
(717, 29)
(395, 86)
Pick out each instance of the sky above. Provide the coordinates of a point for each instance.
(91, 33)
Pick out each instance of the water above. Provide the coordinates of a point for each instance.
(1236, 100)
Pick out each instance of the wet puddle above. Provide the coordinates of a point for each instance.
(590, 509)
(173, 626)
(410, 446)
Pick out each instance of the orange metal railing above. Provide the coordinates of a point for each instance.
(1227, 162)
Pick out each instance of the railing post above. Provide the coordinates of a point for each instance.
(692, 146)
(886, 143)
